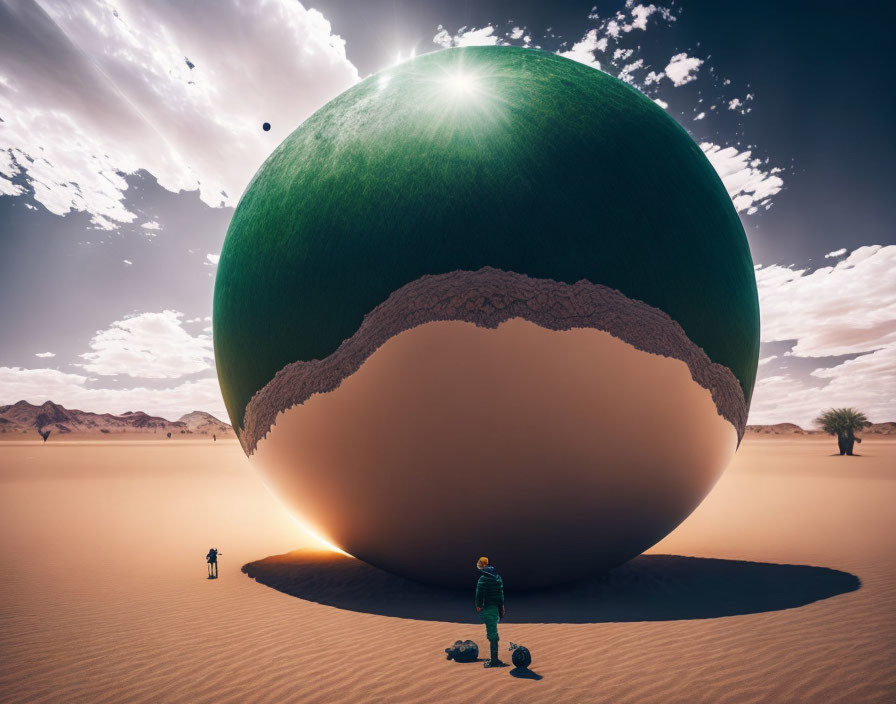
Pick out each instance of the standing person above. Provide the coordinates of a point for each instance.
(490, 606)
(212, 560)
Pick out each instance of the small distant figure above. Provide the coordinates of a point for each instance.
(212, 560)
(266, 127)
(214, 438)
(490, 606)
(44, 434)
(169, 436)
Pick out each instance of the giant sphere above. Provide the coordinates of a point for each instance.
(494, 302)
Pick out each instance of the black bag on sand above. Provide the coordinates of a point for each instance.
(463, 651)
(521, 657)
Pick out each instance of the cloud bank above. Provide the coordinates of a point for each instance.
(92, 90)
(845, 309)
(750, 182)
(147, 347)
(485, 36)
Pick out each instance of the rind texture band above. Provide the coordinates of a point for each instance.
(488, 297)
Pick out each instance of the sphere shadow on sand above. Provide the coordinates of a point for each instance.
(648, 588)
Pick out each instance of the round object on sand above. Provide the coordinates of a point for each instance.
(521, 656)
(463, 651)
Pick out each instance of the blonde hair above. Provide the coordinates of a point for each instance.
(483, 562)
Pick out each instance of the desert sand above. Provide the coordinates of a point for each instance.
(103, 595)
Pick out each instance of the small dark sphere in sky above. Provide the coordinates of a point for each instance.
(266, 126)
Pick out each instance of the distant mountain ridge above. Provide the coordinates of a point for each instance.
(24, 418)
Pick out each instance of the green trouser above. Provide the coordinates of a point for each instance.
(489, 616)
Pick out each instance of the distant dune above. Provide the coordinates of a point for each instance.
(25, 419)
(781, 429)
(888, 428)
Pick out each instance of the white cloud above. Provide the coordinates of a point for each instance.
(199, 128)
(212, 259)
(517, 33)
(583, 50)
(44, 355)
(866, 382)
(73, 391)
(8, 188)
(682, 69)
(734, 104)
(148, 345)
(471, 37)
(836, 253)
(8, 169)
(640, 13)
(700, 116)
(746, 179)
(626, 73)
(151, 225)
(849, 308)
(842, 309)
(662, 103)
(127, 262)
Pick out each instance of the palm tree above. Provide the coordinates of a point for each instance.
(843, 422)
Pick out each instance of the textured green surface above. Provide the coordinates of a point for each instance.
(545, 167)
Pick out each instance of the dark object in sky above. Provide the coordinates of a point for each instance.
(190, 64)
(521, 656)
(463, 651)
(45, 434)
(266, 127)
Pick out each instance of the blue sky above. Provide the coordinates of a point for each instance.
(129, 130)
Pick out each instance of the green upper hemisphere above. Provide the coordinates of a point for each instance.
(483, 156)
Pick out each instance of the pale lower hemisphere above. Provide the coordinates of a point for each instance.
(487, 298)
(556, 452)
